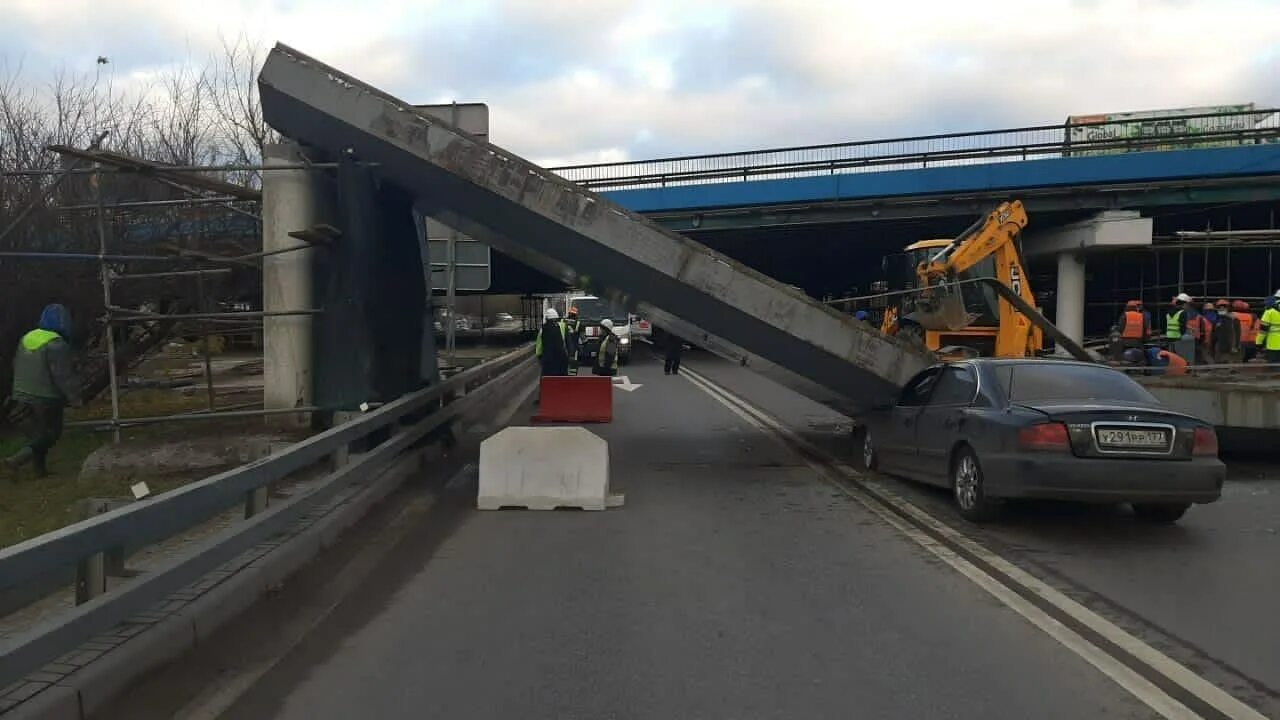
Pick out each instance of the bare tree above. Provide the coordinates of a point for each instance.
(182, 125)
(242, 129)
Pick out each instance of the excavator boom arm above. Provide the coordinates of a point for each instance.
(987, 236)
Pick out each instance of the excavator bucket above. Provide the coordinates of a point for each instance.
(941, 307)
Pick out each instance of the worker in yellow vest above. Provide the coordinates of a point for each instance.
(1269, 332)
(44, 383)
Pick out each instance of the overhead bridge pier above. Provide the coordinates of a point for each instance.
(575, 235)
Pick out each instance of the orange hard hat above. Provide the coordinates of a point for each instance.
(1132, 304)
(1240, 305)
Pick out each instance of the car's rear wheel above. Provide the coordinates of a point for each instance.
(868, 456)
(1161, 512)
(968, 489)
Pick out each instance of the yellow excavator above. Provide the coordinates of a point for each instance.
(971, 295)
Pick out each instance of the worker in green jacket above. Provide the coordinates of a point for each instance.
(45, 383)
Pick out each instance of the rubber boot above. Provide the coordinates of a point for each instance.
(17, 460)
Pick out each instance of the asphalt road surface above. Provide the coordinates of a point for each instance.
(1205, 591)
(734, 583)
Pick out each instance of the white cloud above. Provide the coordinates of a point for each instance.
(571, 80)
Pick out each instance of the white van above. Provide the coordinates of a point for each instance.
(591, 310)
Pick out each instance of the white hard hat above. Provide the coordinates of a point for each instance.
(552, 314)
(1277, 294)
(607, 323)
(1183, 297)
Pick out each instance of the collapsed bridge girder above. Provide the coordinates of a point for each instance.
(570, 233)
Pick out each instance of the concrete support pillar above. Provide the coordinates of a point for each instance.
(1070, 311)
(290, 202)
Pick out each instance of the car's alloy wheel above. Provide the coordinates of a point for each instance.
(868, 451)
(967, 487)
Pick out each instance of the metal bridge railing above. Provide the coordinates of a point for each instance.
(1176, 132)
(397, 427)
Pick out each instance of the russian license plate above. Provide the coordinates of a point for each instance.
(1133, 438)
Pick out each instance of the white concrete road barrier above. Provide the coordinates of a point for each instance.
(543, 468)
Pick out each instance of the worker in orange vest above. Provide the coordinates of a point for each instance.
(1172, 363)
(1248, 328)
(1134, 326)
(1201, 328)
(1162, 361)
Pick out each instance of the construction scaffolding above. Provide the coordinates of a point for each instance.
(1231, 264)
(199, 192)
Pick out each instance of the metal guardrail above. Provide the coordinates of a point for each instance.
(87, 544)
(1261, 126)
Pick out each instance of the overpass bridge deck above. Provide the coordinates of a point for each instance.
(1193, 152)
(1197, 167)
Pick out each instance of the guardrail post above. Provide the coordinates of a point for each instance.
(91, 578)
(342, 455)
(113, 560)
(255, 501)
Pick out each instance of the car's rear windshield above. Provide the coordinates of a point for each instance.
(1035, 382)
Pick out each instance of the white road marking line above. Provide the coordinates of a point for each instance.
(1120, 673)
(622, 382)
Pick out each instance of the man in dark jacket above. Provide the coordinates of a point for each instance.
(673, 345)
(1226, 334)
(572, 338)
(550, 347)
(44, 382)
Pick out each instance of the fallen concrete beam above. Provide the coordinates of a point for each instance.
(575, 235)
(1240, 402)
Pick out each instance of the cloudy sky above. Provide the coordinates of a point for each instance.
(587, 80)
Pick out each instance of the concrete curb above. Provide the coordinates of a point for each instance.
(56, 703)
(100, 681)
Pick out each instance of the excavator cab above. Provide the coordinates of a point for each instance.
(978, 303)
(950, 313)
(960, 320)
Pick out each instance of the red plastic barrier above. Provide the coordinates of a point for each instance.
(575, 399)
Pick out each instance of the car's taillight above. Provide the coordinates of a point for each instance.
(1205, 443)
(1044, 436)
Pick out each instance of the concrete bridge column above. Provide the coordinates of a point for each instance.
(290, 202)
(1070, 244)
(1070, 296)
